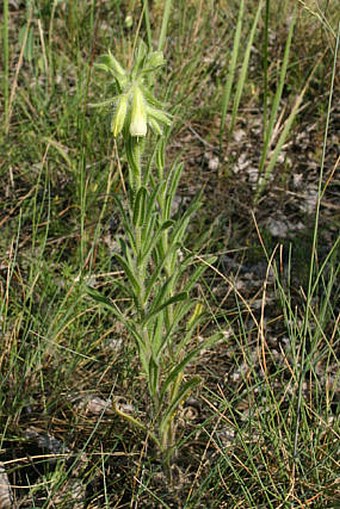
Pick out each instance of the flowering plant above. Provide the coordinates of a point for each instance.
(160, 275)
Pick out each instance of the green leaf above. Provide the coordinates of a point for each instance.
(130, 146)
(152, 200)
(172, 185)
(160, 155)
(162, 293)
(98, 297)
(154, 60)
(150, 98)
(113, 66)
(277, 97)
(157, 336)
(159, 115)
(154, 277)
(148, 236)
(181, 225)
(155, 126)
(167, 224)
(244, 68)
(179, 313)
(139, 207)
(107, 304)
(179, 297)
(102, 67)
(176, 401)
(29, 46)
(179, 368)
(129, 273)
(102, 104)
(231, 70)
(125, 222)
(154, 239)
(153, 377)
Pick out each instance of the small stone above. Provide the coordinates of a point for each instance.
(95, 405)
(239, 134)
(213, 163)
(6, 495)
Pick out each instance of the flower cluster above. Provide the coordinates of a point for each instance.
(135, 106)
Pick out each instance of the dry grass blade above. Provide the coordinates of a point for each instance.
(19, 65)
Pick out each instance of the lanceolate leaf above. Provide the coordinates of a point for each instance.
(181, 225)
(153, 240)
(151, 207)
(162, 293)
(140, 206)
(172, 185)
(110, 306)
(114, 309)
(176, 298)
(102, 104)
(98, 297)
(129, 274)
(178, 399)
(185, 308)
(188, 358)
(148, 234)
(153, 377)
(160, 156)
(155, 277)
(151, 98)
(125, 222)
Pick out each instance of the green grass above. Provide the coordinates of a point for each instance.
(261, 430)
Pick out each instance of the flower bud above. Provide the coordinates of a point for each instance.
(138, 125)
(119, 116)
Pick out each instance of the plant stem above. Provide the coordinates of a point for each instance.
(265, 67)
(135, 171)
(147, 21)
(6, 59)
(165, 21)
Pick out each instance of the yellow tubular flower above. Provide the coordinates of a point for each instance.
(138, 125)
(119, 115)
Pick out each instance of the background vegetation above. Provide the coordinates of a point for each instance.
(253, 90)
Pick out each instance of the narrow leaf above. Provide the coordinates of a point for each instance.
(153, 377)
(139, 207)
(176, 298)
(179, 368)
(128, 272)
(177, 400)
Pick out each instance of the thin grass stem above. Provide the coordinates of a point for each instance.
(268, 129)
(231, 71)
(313, 258)
(146, 12)
(244, 69)
(164, 27)
(265, 66)
(6, 59)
